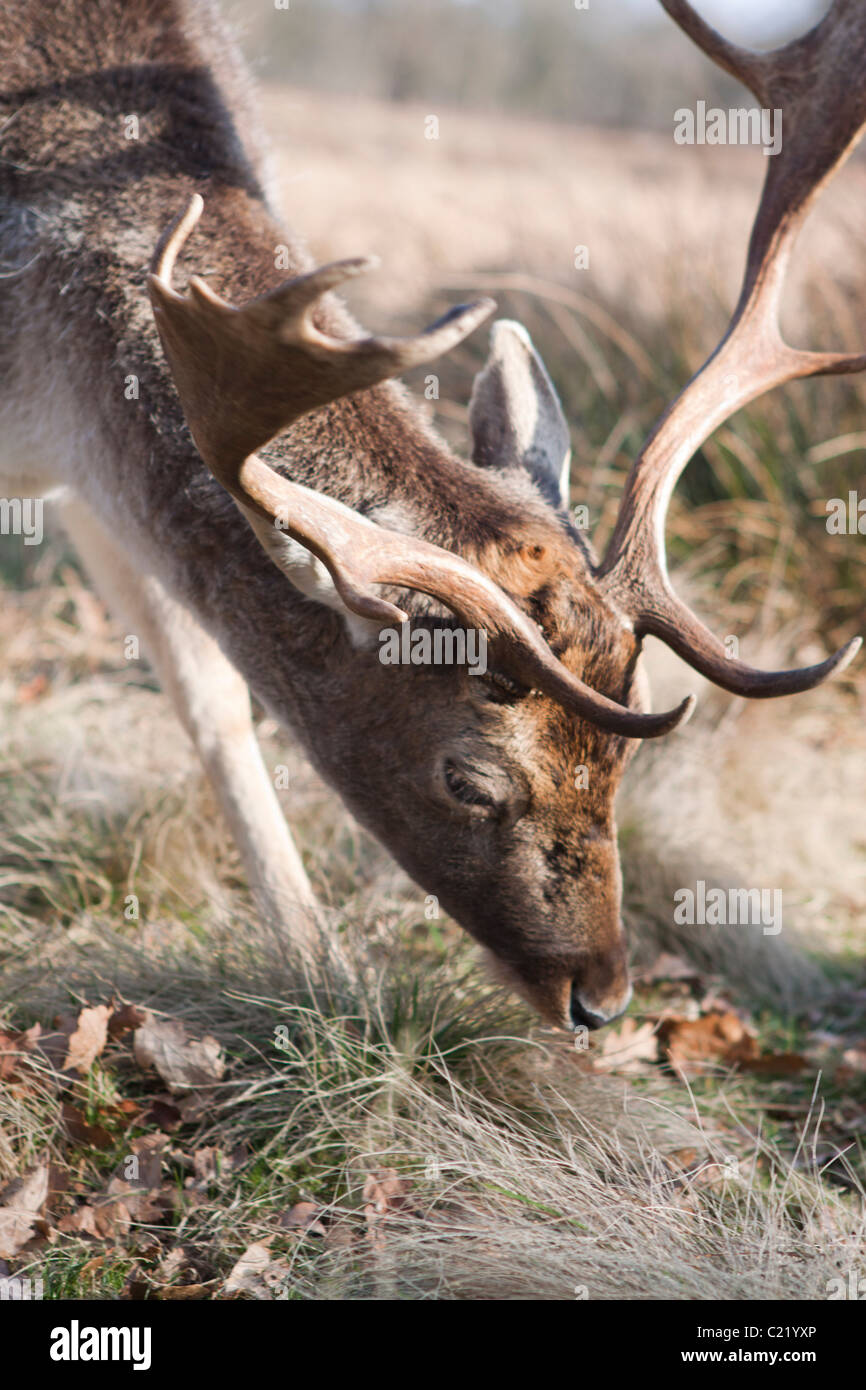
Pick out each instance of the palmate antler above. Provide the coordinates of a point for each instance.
(244, 374)
(819, 83)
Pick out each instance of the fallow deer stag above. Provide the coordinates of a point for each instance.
(272, 497)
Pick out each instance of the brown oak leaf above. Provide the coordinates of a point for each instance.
(88, 1038)
(21, 1203)
(181, 1062)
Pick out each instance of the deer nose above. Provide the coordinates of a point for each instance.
(590, 1014)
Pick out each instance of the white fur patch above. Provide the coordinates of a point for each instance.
(307, 573)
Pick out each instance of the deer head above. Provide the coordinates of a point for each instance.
(474, 781)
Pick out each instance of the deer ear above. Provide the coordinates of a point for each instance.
(515, 416)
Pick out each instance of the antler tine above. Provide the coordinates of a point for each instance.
(244, 374)
(173, 239)
(739, 62)
(358, 554)
(816, 82)
(261, 357)
(302, 293)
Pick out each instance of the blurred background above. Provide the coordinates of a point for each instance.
(606, 63)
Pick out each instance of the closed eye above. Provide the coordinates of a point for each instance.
(464, 791)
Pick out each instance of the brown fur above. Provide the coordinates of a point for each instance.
(536, 879)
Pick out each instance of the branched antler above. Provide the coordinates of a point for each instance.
(244, 374)
(817, 83)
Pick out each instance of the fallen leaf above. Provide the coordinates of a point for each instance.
(161, 1112)
(21, 1203)
(256, 1273)
(110, 1215)
(174, 1263)
(136, 1286)
(339, 1237)
(80, 1131)
(385, 1193)
(58, 1181)
(692, 1045)
(145, 1243)
(194, 1105)
(124, 1018)
(181, 1062)
(54, 1046)
(125, 1202)
(12, 1047)
(238, 1156)
(627, 1049)
(80, 1222)
(249, 1268)
(88, 1039)
(680, 1159)
(774, 1063)
(184, 1263)
(143, 1166)
(208, 1165)
(716, 1177)
(140, 1200)
(276, 1277)
(186, 1292)
(303, 1216)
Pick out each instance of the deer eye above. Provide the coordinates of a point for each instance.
(466, 792)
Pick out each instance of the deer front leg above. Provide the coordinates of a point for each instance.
(212, 702)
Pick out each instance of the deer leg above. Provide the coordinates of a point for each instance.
(212, 702)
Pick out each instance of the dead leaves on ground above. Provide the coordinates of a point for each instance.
(691, 1045)
(131, 1211)
(689, 1029)
(77, 1040)
(152, 1178)
(68, 1051)
(718, 1039)
(696, 1032)
(692, 1031)
(385, 1201)
(186, 1274)
(257, 1273)
(386, 1194)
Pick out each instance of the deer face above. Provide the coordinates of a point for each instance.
(528, 788)
(492, 796)
(528, 793)
(501, 804)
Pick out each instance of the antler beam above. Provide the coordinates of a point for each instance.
(817, 83)
(244, 374)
